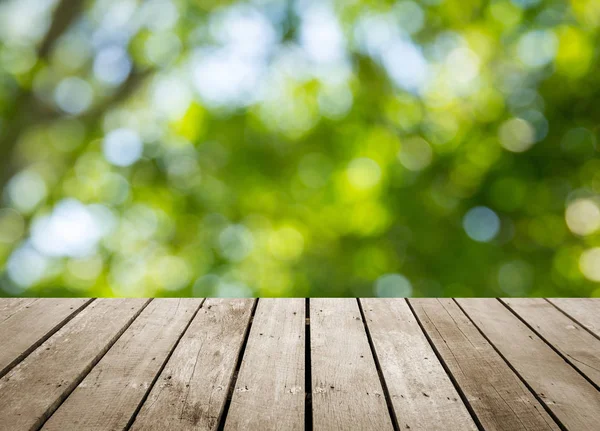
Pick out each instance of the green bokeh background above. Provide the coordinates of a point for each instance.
(324, 148)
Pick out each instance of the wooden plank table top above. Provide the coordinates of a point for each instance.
(299, 364)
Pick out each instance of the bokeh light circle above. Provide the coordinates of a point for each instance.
(481, 224)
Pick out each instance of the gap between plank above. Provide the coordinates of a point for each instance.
(162, 367)
(386, 392)
(527, 385)
(89, 368)
(43, 339)
(457, 387)
(590, 381)
(236, 371)
(308, 414)
(572, 318)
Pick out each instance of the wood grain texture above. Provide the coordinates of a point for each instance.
(346, 391)
(574, 401)
(518, 364)
(119, 382)
(422, 394)
(9, 306)
(499, 398)
(27, 324)
(192, 389)
(269, 392)
(580, 348)
(32, 390)
(586, 311)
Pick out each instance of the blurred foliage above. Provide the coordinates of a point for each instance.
(300, 148)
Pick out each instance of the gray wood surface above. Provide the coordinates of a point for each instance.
(586, 311)
(422, 394)
(580, 347)
(497, 396)
(269, 392)
(373, 364)
(9, 306)
(346, 391)
(192, 389)
(32, 390)
(40, 317)
(119, 382)
(574, 401)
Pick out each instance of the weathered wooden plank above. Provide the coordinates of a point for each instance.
(580, 347)
(29, 323)
(573, 400)
(110, 394)
(346, 391)
(269, 393)
(422, 394)
(192, 389)
(31, 391)
(496, 394)
(585, 311)
(9, 306)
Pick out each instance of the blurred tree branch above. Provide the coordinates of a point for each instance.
(28, 111)
(42, 115)
(64, 15)
(25, 106)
